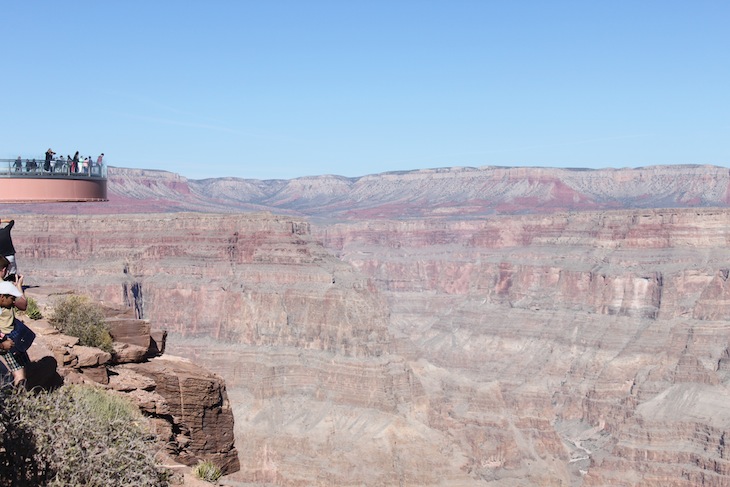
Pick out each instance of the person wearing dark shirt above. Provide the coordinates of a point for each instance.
(75, 163)
(7, 249)
(47, 163)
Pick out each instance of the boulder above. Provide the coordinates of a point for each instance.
(126, 353)
(91, 356)
(96, 374)
(135, 332)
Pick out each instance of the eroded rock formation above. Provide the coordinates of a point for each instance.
(585, 348)
(187, 404)
(604, 336)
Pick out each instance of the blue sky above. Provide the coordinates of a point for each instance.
(275, 89)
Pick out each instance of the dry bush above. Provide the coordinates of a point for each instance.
(33, 311)
(208, 471)
(76, 435)
(77, 316)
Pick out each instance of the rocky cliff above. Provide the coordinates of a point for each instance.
(576, 348)
(186, 404)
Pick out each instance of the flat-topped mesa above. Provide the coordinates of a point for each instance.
(454, 193)
(442, 193)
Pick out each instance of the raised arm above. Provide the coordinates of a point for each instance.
(21, 303)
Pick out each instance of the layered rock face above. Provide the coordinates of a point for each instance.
(186, 404)
(253, 279)
(634, 263)
(604, 336)
(585, 348)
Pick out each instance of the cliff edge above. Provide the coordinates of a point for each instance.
(187, 405)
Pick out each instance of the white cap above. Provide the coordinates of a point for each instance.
(7, 287)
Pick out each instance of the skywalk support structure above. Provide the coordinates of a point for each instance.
(20, 185)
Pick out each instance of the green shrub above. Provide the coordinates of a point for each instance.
(76, 435)
(208, 471)
(33, 311)
(77, 316)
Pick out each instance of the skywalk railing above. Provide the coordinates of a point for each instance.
(57, 168)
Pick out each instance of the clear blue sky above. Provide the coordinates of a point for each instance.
(271, 89)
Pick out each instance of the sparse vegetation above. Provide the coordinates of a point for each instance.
(33, 311)
(208, 471)
(76, 435)
(77, 316)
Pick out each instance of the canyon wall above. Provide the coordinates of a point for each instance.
(610, 326)
(575, 348)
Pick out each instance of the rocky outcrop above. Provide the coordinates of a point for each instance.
(187, 404)
(195, 403)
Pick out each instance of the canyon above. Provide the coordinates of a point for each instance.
(458, 326)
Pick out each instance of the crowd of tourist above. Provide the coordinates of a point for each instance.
(59, 164)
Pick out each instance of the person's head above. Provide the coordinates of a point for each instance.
(8, 293)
